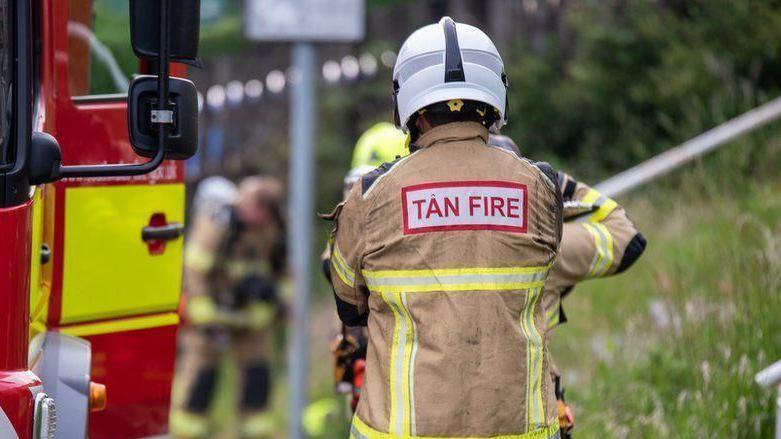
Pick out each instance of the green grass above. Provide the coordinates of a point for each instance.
(671, 348)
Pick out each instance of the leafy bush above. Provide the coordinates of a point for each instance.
(630, 79)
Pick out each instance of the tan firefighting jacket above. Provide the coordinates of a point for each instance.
(447, 250)
(220, 254)
(598, 240)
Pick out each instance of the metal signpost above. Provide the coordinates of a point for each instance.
(303, 22)
(301, 167)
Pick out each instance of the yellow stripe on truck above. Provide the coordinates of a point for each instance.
(108, 271)
(120, 325)
(39, 287)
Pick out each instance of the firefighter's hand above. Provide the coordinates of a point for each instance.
(566, 418)
(201, 310)
(343, 350)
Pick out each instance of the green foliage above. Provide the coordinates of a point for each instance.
(111, 26)
(632, 78)
(223, 36)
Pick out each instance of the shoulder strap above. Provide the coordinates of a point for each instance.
(368, 180)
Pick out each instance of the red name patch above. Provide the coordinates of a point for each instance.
(464, 205)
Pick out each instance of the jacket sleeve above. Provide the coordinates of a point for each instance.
(347, 244)
(201, 254)
(598, 238)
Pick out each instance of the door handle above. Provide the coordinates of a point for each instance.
(46, 254)
(165, 232)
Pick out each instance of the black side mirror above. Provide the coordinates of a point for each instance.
(142, 115)
(45, 158)
(183, 29)
(161, 30)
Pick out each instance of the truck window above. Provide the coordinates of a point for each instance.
(100, 58)
(6, 75)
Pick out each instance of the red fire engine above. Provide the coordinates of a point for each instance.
(91, 214)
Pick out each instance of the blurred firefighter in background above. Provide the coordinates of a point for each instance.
(234, 259)
(382, 143)
(598, 240)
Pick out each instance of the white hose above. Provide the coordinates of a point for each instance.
(678, 156)
(101, 52)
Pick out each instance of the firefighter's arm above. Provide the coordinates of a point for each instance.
(200, 261)
(347, 246)
(598, 238)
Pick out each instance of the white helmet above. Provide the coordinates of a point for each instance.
(213, 195)
(445, 61)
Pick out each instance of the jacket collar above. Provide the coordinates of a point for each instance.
(453, 132)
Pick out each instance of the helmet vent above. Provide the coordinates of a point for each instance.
(454, 65)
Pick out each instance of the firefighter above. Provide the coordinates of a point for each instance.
(598, 240)
(234, 259)
(382, 143)
(443, 255)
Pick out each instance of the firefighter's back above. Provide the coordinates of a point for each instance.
(444, 253)
(458, 240)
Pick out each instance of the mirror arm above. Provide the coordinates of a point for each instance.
(162, 132)
(113, 170)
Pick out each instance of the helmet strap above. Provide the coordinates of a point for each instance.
(396, 117)
(414, 132)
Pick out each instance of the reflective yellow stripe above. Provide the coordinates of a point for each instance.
(394, 422)
(453, 271)
(604, 210)
(609, 256)
(605, 206)
(456, 279)
(410, 361)
(552, 313)
(401, 368)
(258, 425)
(119, 325)
(198, 259)
(342, 268)
(241, 268)
(597, 245)
(534, 357)
(603, 257)
(360, 430)
(590, 197)
(201, 310)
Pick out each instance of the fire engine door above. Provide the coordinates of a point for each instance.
(119, 243)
